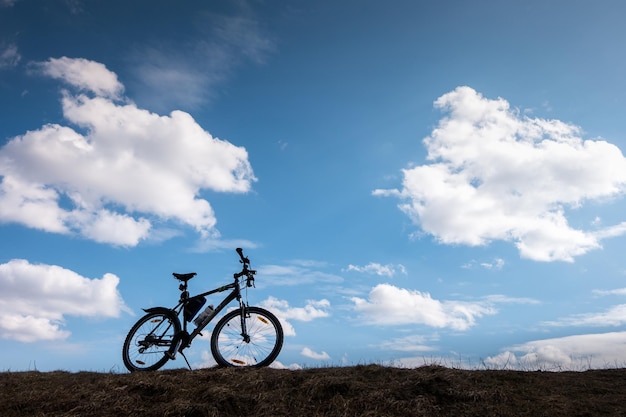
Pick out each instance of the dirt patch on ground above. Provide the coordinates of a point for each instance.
(343, 391)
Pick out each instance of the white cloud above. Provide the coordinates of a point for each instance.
(617, 291)
(413, 343)
(497, 175)
(206, 360)
(26, 328)
(9, 56)
(390, 305)
(85, 75)
(34, 299)
(579, 352)
(503, 299)
(105, 226)
(388, 270)
(611, 231)
(495, 264)
(214, 241)
(614, 316)
(280, 365)
(131, 167)
(311, 311)
(297, 273)
(314, 355)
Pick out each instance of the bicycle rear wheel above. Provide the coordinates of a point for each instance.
(258, 347)
(149, 339)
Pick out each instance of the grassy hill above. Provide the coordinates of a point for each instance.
(361, 391)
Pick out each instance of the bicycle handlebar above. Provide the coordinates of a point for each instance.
(244, 260)
(248, 272)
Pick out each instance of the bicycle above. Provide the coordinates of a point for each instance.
(245, 336)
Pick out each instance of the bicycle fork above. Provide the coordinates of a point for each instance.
(244, 326)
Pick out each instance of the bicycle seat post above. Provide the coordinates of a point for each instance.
(184, 293)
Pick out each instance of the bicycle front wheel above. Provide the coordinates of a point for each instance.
(257, 346)
(149, 339)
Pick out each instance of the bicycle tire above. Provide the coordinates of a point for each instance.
(266, 339)
(140, 354)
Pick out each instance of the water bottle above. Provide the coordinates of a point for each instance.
(202, 316)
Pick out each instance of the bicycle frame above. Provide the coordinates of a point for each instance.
(243, 336)
(183, 339)
(234, 295)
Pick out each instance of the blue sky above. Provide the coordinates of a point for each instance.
(415, 181)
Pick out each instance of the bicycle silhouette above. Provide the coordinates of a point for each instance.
(246, 336)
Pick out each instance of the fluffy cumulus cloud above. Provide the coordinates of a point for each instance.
(34, 299)
(309, 353)
(118, 169)
(314, 309)
(84, 74)
(494, 174)
(390, 305)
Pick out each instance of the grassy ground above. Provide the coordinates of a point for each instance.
(370, 390)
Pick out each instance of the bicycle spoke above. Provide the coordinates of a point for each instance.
(257, 347)
(148, 341)
(246, 336)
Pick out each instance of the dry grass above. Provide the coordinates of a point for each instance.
(355, 391)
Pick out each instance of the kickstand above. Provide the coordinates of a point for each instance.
(185, 358)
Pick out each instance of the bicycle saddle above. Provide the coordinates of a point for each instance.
(184, 277)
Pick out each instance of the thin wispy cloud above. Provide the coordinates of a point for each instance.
(503, 299)
(412, 343)
(613, 316)
(617, 291)
(495, 264)
(298, 272)
(188, 74)
(388, 270)
(9, 56)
